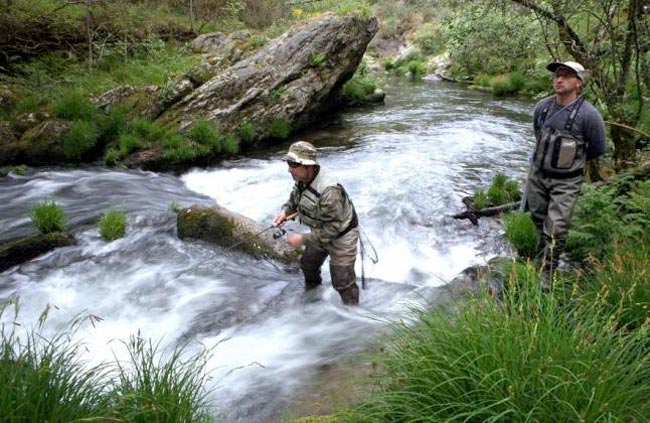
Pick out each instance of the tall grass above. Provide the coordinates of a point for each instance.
(521, 232)
(152, 388)
(501, 191)
(526, 358)
(44, 378)
(112, 225)
(47, 216)
(79, 140)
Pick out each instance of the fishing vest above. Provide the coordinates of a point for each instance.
(560, 154)
(309, 207)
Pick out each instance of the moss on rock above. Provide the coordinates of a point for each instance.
(20, 250)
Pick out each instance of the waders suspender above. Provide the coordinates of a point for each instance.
(572, 115)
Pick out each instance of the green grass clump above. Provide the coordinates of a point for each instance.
(79, 140)
(359, 88)
(318, 60)
(111, 126)
(158, 388)
(501, 191)
(43, 379)
(176, 149)
(246, 132)
(112, 225)
(47, 216)
(526, 358)
(230, 145)
(280, 128)
(521, 232)
(204, 133)
(73, 106)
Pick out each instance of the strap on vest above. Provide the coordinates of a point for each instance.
(572, 115)
(355, 220)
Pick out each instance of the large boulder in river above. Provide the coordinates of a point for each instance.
(231, 230)
(288, 82)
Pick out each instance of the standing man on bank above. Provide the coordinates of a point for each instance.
(569, 131)
(324, 206)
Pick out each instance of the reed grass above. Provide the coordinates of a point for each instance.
(521, 232)
(528, 357)
(112, 225)
(47, 216)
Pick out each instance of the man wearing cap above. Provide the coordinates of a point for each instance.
(323, 205)
(569, 131)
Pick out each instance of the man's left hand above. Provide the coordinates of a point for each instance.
(295, 240)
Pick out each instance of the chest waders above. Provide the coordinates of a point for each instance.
(342, 250)
(553, 186)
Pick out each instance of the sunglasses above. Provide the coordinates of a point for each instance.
(293, 164)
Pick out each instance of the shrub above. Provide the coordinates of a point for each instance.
(501, 191)
(481, 200)
(48, 217)
(389, 63)
(317, 60)
(417, 69)
(176, 149)
(528, 357)
(280, 128)
(73, 106)
(428, 38)
(79, 140)
(508, 84)
(112, 225)
(204, 133)
(521, 232)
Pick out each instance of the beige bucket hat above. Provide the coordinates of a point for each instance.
(302, 152)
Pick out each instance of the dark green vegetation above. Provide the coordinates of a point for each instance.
(45, 380)
(501, 191)
(112, 225)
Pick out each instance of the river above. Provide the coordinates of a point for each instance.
(406, 165)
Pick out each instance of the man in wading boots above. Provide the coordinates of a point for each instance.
(569, 132)
(324, 206)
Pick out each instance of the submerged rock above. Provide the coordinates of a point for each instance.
(21, 250)
(228, 229)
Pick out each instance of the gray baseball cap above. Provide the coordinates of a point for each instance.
(302, 152)
(574, 66)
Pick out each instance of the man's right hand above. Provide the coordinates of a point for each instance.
(279, 219)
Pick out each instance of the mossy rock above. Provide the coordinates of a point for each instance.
(20, 250)
(231, 230)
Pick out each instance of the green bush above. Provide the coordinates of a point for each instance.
(526, 358)
(280, 128)
(176, 149)
(204, 133)
(79, 140)
(481, 199)
(112, 225)
(318, 60)
(510, 84)
(73, 106)
(501, 191)
(48, 217)
(389, 63)
(428, 38)
(417, 69)
(521, 232)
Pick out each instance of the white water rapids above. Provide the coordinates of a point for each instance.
(406, 165)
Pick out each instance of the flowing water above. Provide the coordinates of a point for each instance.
(406, 165)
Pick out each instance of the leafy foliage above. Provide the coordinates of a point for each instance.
(73, 106)
(280, 128)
